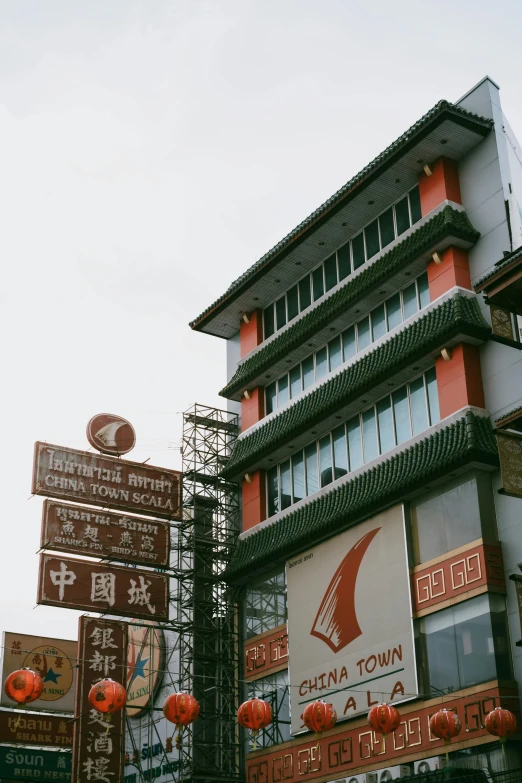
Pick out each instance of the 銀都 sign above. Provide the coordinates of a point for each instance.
(97, 533)
(96, 587)
(35, 729)
(98, 480)
(98, 743)
(24, 764)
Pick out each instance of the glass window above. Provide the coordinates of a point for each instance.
(424, 291)
(285, 483)
(308, 371)
(393, 311)
(378, 322)
(272, 484)
(385, 419)
(317, 283)
(280, 306)
(265, 604)
(402, 215)
(282, 391)
(321, 363)
(415, 205)
(298, 477)
(409, 300)
(330, 272)
(340, 452)
(334, 353)
(371, 233)
(292, 302)
(358, 251)
(349, 346)
(401, 412)
(271, 398)
(275, 690)
(312, 476)
(343, 258)
(268, 321)
(419, 408)
(363, 333)
(296, 385)
(433, 396)
(371, 447)
(355, 443)
(387, 227)
(305, 298)
(325, 460)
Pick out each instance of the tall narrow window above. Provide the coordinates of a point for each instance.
(280, 312)
(358, 251)
(433, 396)
(298, 477)
(371, 234)
(343, 257)
(296, 385)
(349, 346)
(285, 481)
(271, 398)
(268, 321)
(402, 215)
(272, 485)
(282, 391)
(355, 442)
(363, 333)
(325, 460)
(305, 297)
(334, 353)
(401, 411)
(321, 363)
(312, 475)
(318, 283)
(387, 227)
(385, 419)
(419, 408)
(424, 291)
(308, 371)
(409, 299)
(415, 205)
(292, 302)
(330, 272)
(340, 452)
(393, 311)
(371, 447)
(378, 323)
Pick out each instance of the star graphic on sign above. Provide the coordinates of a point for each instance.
(52, 677)
(138, 669)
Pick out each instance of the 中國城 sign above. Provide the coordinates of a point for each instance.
(350, 620)
(98, 480)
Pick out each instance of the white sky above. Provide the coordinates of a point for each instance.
(150, 152)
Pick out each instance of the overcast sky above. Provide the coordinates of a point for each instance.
(149, 153)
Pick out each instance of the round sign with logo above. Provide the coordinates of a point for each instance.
(56, 670)
(145, 662)
(111, 434)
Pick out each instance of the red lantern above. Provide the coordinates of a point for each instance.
(107, 696)
(254, 714)
(319, 716)
(182, 709)
(500, 723)
(383, 718)
(24, 686)
(445, 725)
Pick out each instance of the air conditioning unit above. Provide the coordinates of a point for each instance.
(385, 776)
(427, 765)
(371, 777)
(405, 771)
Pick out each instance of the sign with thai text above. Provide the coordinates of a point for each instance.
(98, 748)
(24, 764)
(54, 659)
(105, 534)
(35, 729)
(68, 474)
(90, 586)
(350, 620)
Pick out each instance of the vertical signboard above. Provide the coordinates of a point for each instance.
(350, 620)
(98, 745)
(510, 453)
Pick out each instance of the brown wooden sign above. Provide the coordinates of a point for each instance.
(68, 474)
(266, 652)
(96, 587)
(97, 533)
(510, 453)
(99, 745)
(34, 729)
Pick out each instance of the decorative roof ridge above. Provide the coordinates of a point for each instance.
(453, 316)
(387, 153)
(508, 414)
(447, 222)
(499, 267)
(468, 439)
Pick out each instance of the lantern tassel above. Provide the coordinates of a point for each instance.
(255, 732)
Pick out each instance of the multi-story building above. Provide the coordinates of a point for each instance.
(374, 357)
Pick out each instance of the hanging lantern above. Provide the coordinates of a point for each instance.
(319, 716)
(500, 723)
(24, 686)
(107, 696)
(445, 724)
(384, 719)
(182, 709)
(254, 714)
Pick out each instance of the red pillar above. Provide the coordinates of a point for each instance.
(441, 185)
(459, 380)
(253, 500)
(253, 409)
(452, 270)
(251, 333)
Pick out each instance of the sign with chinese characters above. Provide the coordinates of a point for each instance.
(98, 742)
(35, 729)
(24, 764)
(145, 659)
(350, 620)
(97, 533)
(96, 587)
(55, 659)
(68, 474)
(111, 434)
(510, 453)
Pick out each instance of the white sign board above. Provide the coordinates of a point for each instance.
(349, 620)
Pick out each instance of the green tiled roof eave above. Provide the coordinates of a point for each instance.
(448, 222)
(457, 315)
(469, 439)
(499, 266)
(390, 152)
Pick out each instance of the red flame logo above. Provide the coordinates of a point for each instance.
(336, 621)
